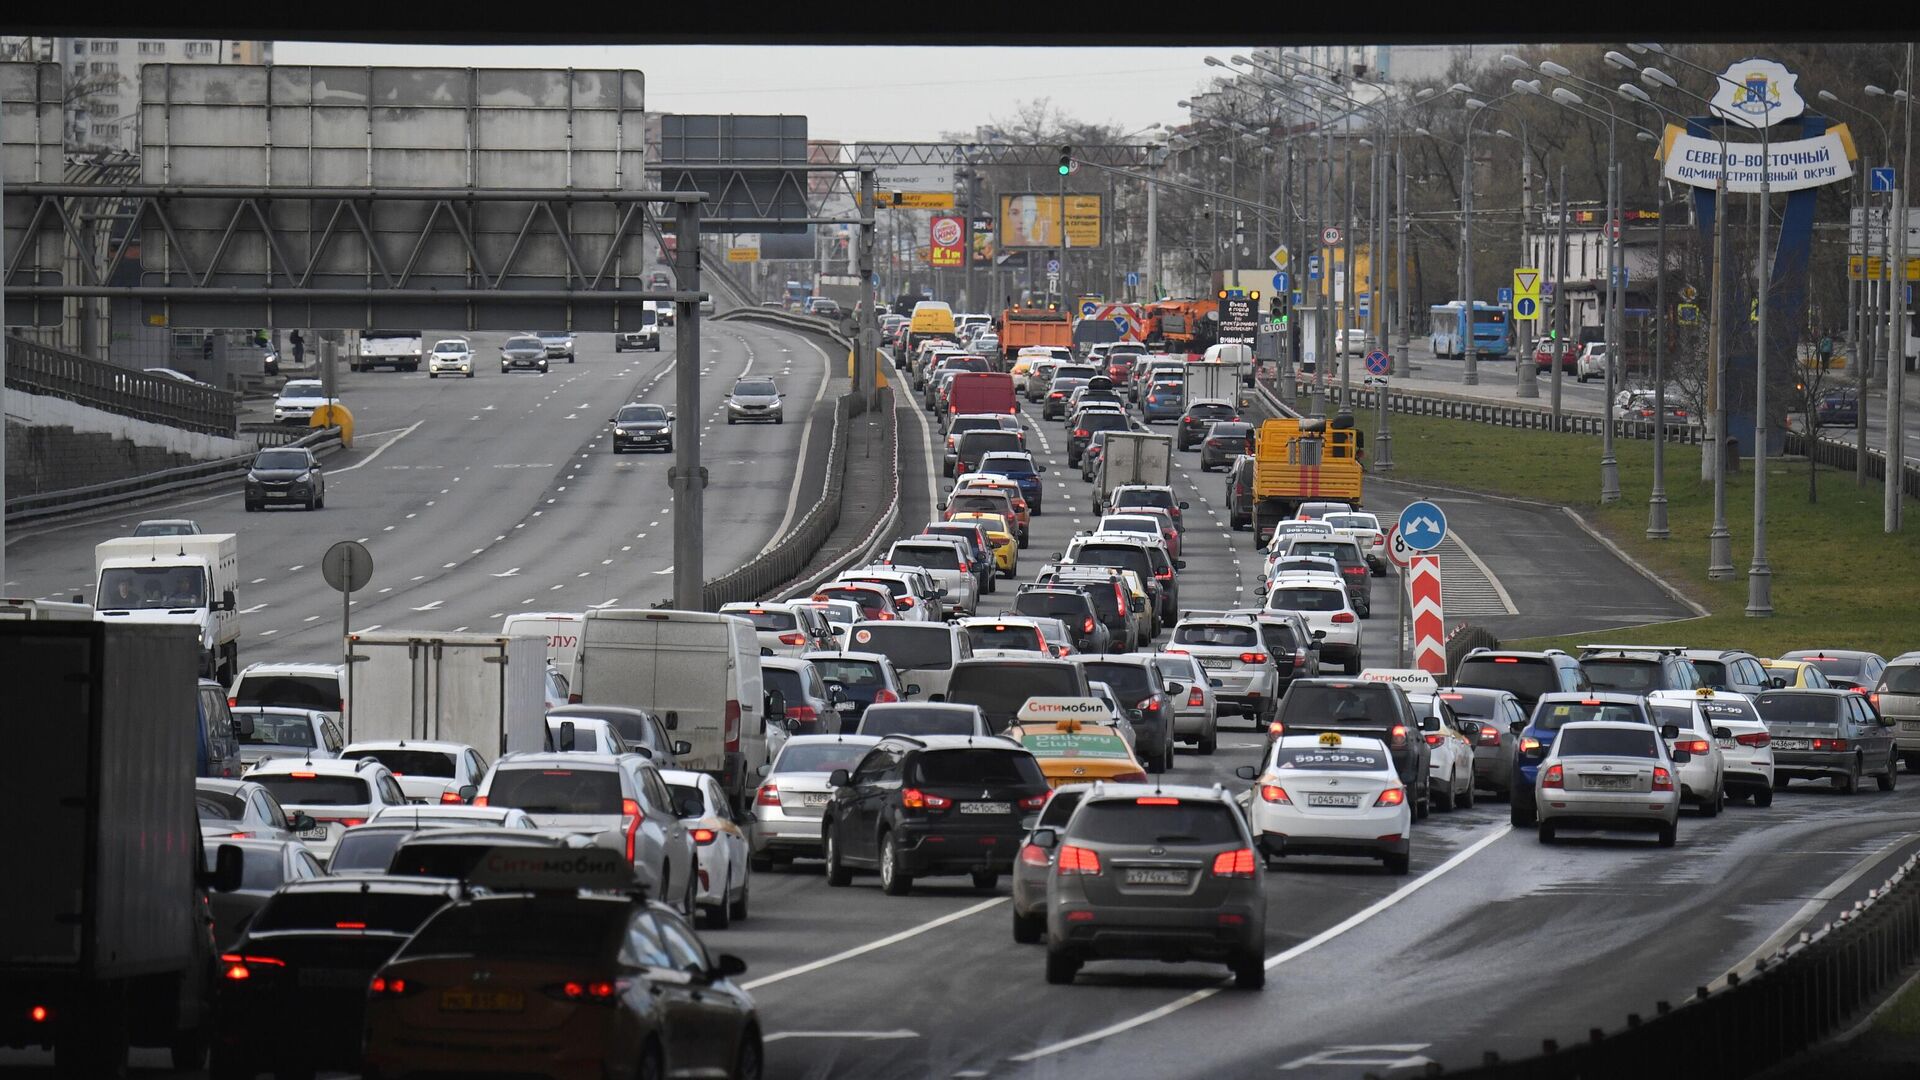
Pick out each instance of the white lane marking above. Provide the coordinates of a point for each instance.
(806, 438)
(862, 950)
(1278, 959)
(383, 448)
(311, 618)
(389, 528)
(430, 607)
(1808, 910)
(251, 610)
(291, 569)
(609, 603)
(255, 581)
(268, 633)
(901, 1034)
(556, 587)
(367, 629)
(658, 573)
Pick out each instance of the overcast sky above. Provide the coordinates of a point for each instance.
(850, 93)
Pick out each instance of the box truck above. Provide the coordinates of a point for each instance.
(110, 942)
(699, 670)
(485, 690)
(175, 580)
(1132, 458)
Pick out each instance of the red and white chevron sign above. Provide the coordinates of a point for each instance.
(1429, 627)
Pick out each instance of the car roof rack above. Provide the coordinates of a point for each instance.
(1666, 650)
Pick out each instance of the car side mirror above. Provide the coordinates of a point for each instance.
(1039, 468)
(839, 778)
(1179, 564)
(1136, 604)
(229, 866)
(1681, 757)
(1183, 506)
(1044, 839)
(227, 601)
(912, 689)
(1429, 723)
(1319, 635)
(566, 736)
(242, 726)
(1215, 683)
(1723, 733)
(837, 631)
(728, 966)
(938, 697)
(468, 791)
(673, 720)
(1778, 682)
(682, 748)
(764, 768)
(1516, 727)
(613, 419)
(300, 821)
(942, 504)
(1669, 731)
(1246, 772)
(1175, 689)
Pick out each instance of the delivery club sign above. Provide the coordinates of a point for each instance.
(949, 236)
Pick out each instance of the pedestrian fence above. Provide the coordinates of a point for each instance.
(34, 368)
(1845, 457)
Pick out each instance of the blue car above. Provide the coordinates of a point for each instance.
(1019, 468)
(864, 678)
(1163, 401)
(1552, 713)
(1837, 408)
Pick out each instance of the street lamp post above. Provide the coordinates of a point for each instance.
(1860, 316)
(1893, 494)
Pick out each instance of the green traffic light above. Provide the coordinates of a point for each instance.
(1065, 168)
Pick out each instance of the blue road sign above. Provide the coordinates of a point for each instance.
(1313, 267)
(1526, 307)
(1053, 266)
(1087, 309)
(1282, 282)
(1133, 279)
(1882, 178)
(1299, 297)
(1377, 363)
(1423, 525)
(1506, 296)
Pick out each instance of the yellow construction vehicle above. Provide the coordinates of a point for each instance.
(1302, 460)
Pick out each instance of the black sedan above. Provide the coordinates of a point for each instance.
(1225, 441)
(642, 427)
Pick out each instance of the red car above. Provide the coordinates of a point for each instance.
(1543, 356)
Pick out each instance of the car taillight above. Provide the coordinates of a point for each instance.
(902, 603)
(1505, 660)
(1398, 736)
(1275, 729)
(1089, 626)
(343, 822)
(730, 726)
(915, 799)
(1489, 735)
(1528, 744)
(704, 836)
(966, 567)
(1077, 860)
(1034, 802)
(1356, 570)
(1433, 738)
(1874, 699)
(1079, 433)
(1755, 739)
(1163, 575)
(769, 795)
(1343, 616)
(1692, 746)
(1274, 793)
(1299, 658)
(793, 639)
(1239, 863)
(237, 968)
(382, 986)
(804, 713)
(479, 800)
(1391, 797)
(1035, 855)
(452, 798)
(232, 702)
(1662, 779)
(1196, 699)
(883, 695)
(881, 616)
(1148, 705)
(630, 809)
(1829, 744)
(1253, 658)
(1554, 777)
(597, 992)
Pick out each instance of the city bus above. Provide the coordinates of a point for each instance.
(1490, 326)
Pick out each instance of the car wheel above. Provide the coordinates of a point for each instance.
(750, 1062)
(1711, 808)
(892, 881)
(1352, 666)
(1249, 972)
(1398, 864)
(1891, 777)
(1211, 740)
(1157, 765)
(1913, 761)
(1466, 798)
(668, 449)
(469, 374)
(310, 503)
(779, 420)
(1442, 800)
(720, 915)
(731, 421)
(433, 374)
(1669, 834)
(1520, 816)
(1028, 929)
(1850, 783)
(838, 875)
(650, 1067)
(1763, 797)
(1061, 968)
(760, 864)
(1546, 832)
(985, 879)
(1780, 783)
(253, 508)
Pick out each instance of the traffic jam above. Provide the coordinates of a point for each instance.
(549, 887)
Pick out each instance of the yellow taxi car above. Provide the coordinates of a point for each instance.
(1074, 751)
(1020, 370)
(1146, 619)
(1006, 549)
(1797, 675)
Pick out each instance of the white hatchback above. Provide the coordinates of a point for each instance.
(1746, 746)
(1330, 794)
(1449, 754)
(337, 794)
(1322, 600)
(1703, 777)
(451, 356)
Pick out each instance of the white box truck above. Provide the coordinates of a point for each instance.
(699, 671)
(1222, 376)
(1132, 457)
(485, 690)
(186, 580)
(397, 349)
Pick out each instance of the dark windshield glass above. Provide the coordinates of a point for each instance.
(643, 414)
(977, 766)
(410, 762)
(1298, 598)
(1556, 715)
(1237, 637)
(1326, 549)
(1059, 808)
(866, 598)
(1306, 703)
(974, 443)
(764, 618)
(1130, 681)
(888, 720)
(130, 587)
(633, 728)
(1718, 709)
(929, 556)
(219, 806)
(280, 729)
(1524, 678)
(1340, 759)
(1204, 411)
(377, 912)
(1103, 420)
(787, 684)
(557, 791)
(849, 673)
(1124, 556)
(916, 648)
(291, 790)
(1003, 636)
(1278, 638)
(980, 504)
(533, 929)
(290, 691)
(282, 459)
(1680, 716)
(1626, 676)
(1799, 708)
(1070, 608)
(366, 849)
(820, 757)
(1000, 689)
(1608, 742)
(754, 388)
(1901, 679)
(1126, 821)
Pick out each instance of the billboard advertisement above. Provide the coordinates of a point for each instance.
(922, 185)
(1033, 221)
(948, 233)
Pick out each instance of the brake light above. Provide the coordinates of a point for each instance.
(1399, 735)
(1195, 699)
(1077, 860)
(1505, 660)
(803, 713)
(793, 639)
(1555, 777)
(1355, 570)
(1253, 658)
(1829, 744)
(1489, 735)
(1148, 705)
(304, 775)
(1276, 729)
(1662, 779)
(884, 695)
(630, 809)
(39, 1014)
(1034, 802)
(1756, 739)
(703, 836)
(1343, 616)
(731, 726)
(769, 795)
(1034, 855)
(1089, 626)
(344, 822)
(601, 992)
(1692, 746)
(1274, 793)
(1433, 738)
(915, 799)
(902, 603)
(479, 800)
(232, 702)
(239, 968)
(451, 797)
(966, 567)
(1528, 744)
(1874, 700)
(1238, 863)
(1079, 433)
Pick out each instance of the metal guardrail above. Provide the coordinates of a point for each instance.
(883, 529)
(136, 489)
(1804, 993)
(34, 368)
(1845, 457)
(1530, 417)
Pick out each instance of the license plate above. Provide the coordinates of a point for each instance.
(1323, 799)
(1210, 662)
(482, 1000)
(821, 799)
(986, 808)
(276, 494)
(1790, 744)
(318, 832)
(333, 978)
(1141, 876)
(1910, 725)
(1608, 783)
(1726, 744)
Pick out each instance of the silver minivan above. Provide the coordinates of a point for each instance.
(948, 562)
(923, 653)
(1897, 696)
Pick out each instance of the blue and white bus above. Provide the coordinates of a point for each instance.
(1490, 326)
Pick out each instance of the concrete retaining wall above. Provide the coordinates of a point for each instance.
(54, 444)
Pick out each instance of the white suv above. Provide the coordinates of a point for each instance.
(335, 792)
(1322, 599)
(1593, 361)
(453, 356)
(946, 560)
(1231, 650)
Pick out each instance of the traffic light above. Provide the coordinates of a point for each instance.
(1066, 160)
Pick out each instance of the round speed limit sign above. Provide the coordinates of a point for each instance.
(1397, 550)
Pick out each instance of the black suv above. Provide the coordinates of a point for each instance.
(1110, 595)
(1147, 700)
(1379, 710)
(1200, 416)
(1088, 422)
(1071, 606)
(1525, 675)
(1638, 669)
(999, 686)
(930, 806)
(1730, 669)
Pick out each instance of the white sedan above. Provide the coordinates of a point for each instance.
(298, 398)
(719, 843)
(1450, 754)
(1330, 794)
(451, 356)
(1703, 777)
(439, 773)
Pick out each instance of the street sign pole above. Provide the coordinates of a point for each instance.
(347, 567)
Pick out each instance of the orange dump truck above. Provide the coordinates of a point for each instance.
(1022, 327)
(1182, 326)
(1296, 461)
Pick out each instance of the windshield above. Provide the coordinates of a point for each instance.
(1132, 822)
(280, 729)
(437, 763)
(292, 691)
(1608, 742)
(291, 789)
(1901, 679)
(1307, 703)
(366, 849)
(1799, 708)
(764, 618)
(917, 720)
(911, 648)
(1350, 521)
(1130, 681)
(1723, 708)
(1843, 666)
(982, 440)
(820, 757)
(1297, 598)
(1143, 497)
(1001, 689)
(980, 504)
(786, 683)
(754, 388)
(219, 806)
(1522, 677)
(366, 911)
(643, 414)
(1680, 716)
(535, 929)
(129, 588)
(1103, 420)
(1069, 608)
(1005, 636)
(929, 556)
(1552, 716)
(1626, 676)
(978, 766)
(1123, 556)
(867, 599)
(1233, 636)
(1334, 759)
(556, 791)
(166, 528)
(282, 459)
(450, 347)
(848, 673)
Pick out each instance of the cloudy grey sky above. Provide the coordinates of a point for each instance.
(871, 93)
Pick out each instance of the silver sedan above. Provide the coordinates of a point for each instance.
(1196, 712)
(792, 800)
(1607, 774)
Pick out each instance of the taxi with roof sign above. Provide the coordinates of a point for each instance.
(1079, 747)
(974, 483)
(1331, 794)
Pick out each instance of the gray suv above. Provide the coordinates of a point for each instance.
(1897, 697)
(1638, 669)
(1525, 675)
(1155, 873)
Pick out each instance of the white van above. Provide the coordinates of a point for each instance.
(560, 628)
(698, 670)
(922, 653)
